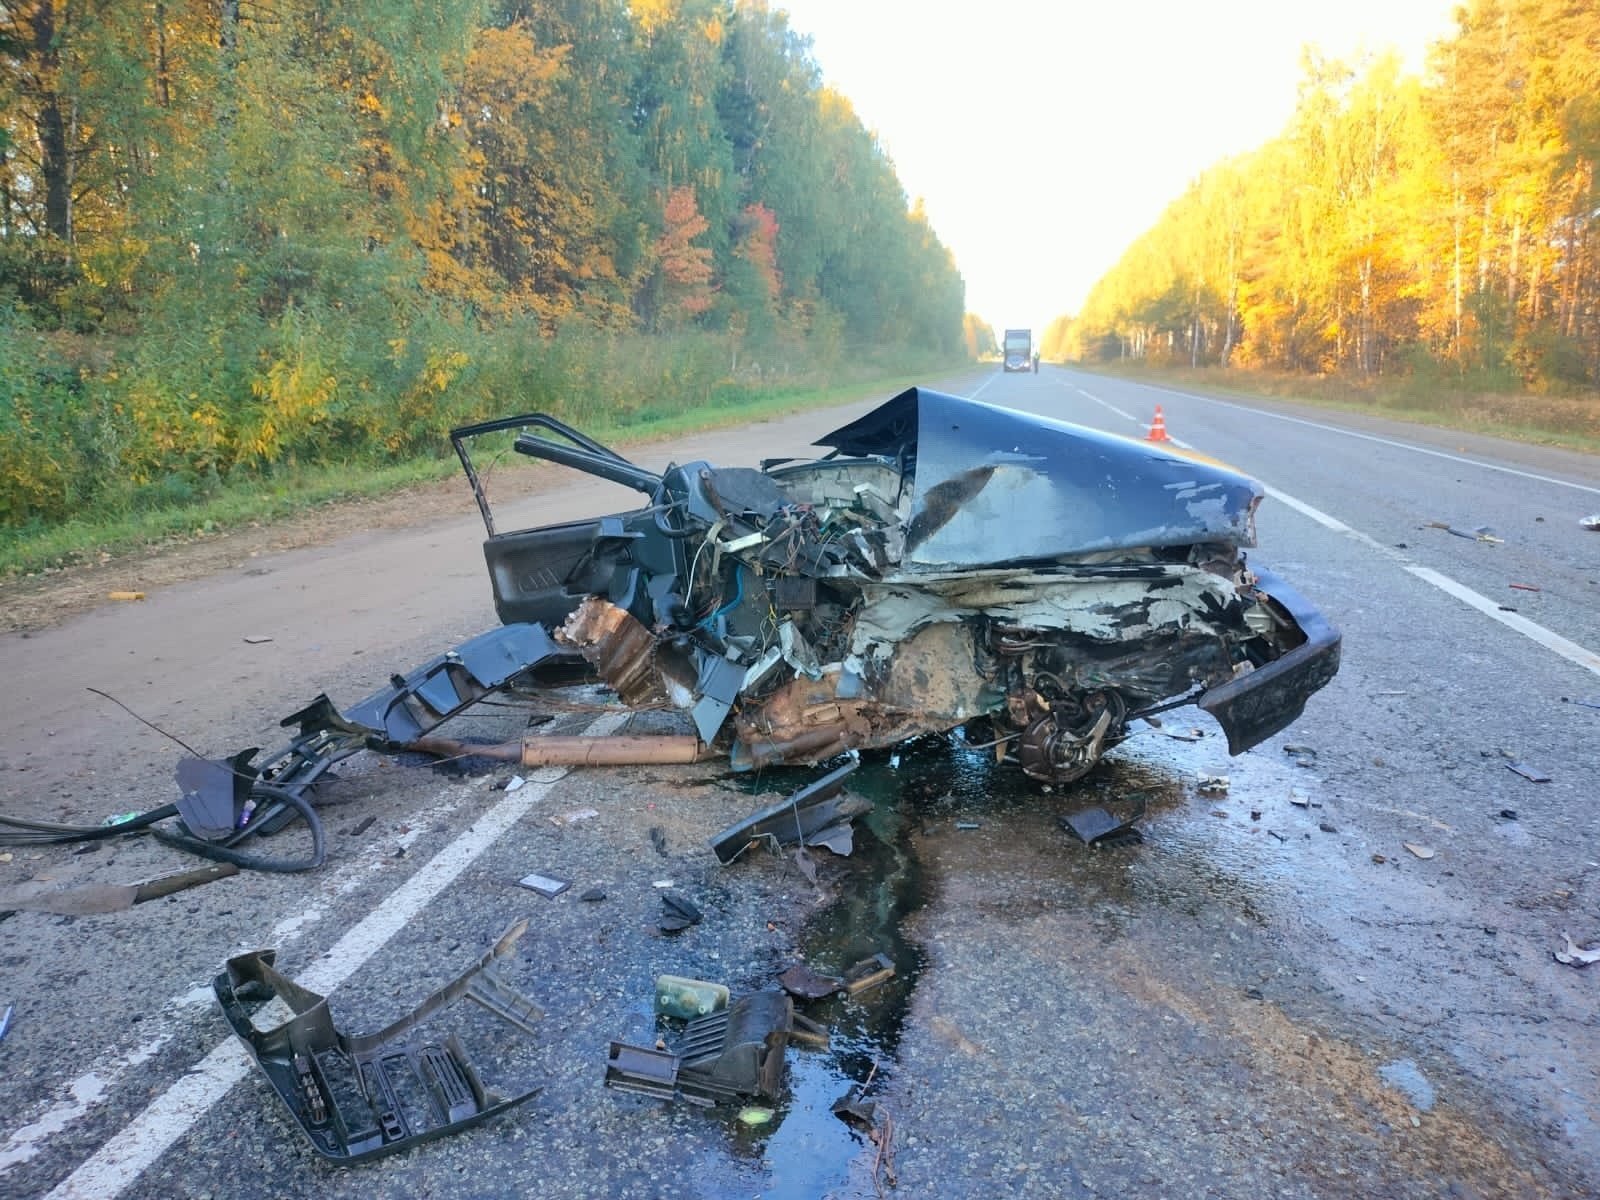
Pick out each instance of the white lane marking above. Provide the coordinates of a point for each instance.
(974, 394)
(1532, 630)
(89, 1090)
(1570, 651)
(1550, 640)
(1382, 441)
(1103, 403)
(143, 1140)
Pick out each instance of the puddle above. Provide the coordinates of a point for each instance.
(941, 783)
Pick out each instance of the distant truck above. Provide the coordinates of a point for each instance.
(1018, 349)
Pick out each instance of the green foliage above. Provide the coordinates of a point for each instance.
(274, 238)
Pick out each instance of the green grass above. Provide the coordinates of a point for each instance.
(290, 491)
(1569, 422)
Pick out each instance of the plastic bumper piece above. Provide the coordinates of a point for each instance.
(358, 1098)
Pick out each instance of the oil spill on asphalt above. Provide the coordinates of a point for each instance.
(1188, 862)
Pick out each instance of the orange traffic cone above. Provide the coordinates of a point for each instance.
(1158, 428)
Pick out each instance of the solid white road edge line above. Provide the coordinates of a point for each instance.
(1371, 437)
(144, 1139)
(1532, 630)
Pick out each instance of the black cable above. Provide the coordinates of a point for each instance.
(252, 862)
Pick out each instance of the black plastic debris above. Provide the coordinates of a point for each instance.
(816, 815)
(803, 983)
(868, 973)
(855, 1111)
(720, 1057)
(360, 1097)
(1094, 826)
(678, 912)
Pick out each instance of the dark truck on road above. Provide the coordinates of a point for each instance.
(1018, 349)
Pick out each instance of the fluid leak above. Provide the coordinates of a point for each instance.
(806, 1150)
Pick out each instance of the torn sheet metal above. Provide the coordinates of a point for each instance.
(361, 1097)
(803, 818)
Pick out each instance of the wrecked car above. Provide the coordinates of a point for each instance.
(945, 563)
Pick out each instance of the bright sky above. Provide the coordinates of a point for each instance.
(1044, 137)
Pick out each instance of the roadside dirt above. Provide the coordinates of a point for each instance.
(41, 601)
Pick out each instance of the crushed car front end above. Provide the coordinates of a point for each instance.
(948, 563)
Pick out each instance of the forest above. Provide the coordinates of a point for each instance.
(1442, 227)
(242, 236)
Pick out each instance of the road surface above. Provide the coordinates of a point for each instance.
(1272, 995)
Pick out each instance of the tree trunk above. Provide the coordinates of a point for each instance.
(55, 158)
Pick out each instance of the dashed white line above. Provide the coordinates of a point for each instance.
(1571, 651)
(1126, 416)
(144, 1139)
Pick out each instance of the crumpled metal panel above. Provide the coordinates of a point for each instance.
(996, 486)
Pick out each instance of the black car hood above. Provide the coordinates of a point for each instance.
(994, 486)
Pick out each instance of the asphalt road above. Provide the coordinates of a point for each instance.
(1272, 996)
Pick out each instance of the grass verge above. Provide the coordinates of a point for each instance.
(30, 551)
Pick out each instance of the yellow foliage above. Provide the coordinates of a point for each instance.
(296, 395)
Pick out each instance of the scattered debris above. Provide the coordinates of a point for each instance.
(1575, 955)
(816, 815)
(1531, 774)
(360, 826)
(678, 912)
(1507, 814)
(803, 983)
(684, 998)
(1211, 785)
(1299, 799)
(549, 886)
(1380, 859)
(1591, 522)
(754, 1116)
(1421, 851)
(1478, 533)
(967, 826)
(513, 784)
(1304, 756)
(1404, 1076)
(256, 639)
(124, 595)
(658, 840)
(1095, 826)
(868, 973)
(93, 898)
(576, 817)
(1328, 827)
(1524, 587)
(1585, 703)
(357, 1098)
(5, 1021)
(1274, 833)
(722, 1056)
(593, 894)
(856, 1111)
